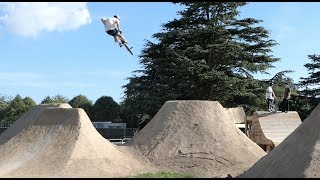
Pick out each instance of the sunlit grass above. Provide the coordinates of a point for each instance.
(164, 175)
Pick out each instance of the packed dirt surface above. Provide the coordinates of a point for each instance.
(62, 142)
(26, 119)
(237, 114)
(297, 156)
(196, 137)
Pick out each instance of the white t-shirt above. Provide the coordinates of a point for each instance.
(269, 93)
(111, 23)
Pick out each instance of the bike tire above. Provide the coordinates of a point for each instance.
(128, 49)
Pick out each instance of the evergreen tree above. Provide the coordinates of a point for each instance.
(207, 54)
(309, 95)
(314, 78)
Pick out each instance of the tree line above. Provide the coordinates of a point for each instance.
(206, 53)
(103, 109)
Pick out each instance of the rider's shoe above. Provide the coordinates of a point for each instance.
(120, 44)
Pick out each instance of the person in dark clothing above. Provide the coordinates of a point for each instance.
(286, 97)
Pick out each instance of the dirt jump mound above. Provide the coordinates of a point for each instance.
(26, 119)
(296, 156)
(61, 142)
(196, 137)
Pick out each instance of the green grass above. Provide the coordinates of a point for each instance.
(164, 175)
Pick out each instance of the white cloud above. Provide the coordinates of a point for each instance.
(31, 18)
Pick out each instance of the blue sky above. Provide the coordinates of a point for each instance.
(48, 49)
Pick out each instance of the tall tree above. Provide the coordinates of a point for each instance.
(207, 54)
(310, 84)
(105, 109)
(81, 101)
(309, 94)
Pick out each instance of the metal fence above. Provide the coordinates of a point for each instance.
(117, 133)
(108, 133)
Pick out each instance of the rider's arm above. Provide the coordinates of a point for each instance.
(118, 25)
(103, 21)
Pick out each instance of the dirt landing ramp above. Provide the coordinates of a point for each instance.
(62, 142)
(270, 129)
(297, 156)
(196, 137)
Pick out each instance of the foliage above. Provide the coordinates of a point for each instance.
(308, 97)
(55, 99)
(207, 54)
(105, 109)
(17, 107)
(313, 79)
(4, 104)
(29, 102)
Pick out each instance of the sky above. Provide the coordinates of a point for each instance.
(60, 48)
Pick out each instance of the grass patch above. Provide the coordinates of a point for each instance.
(164, 175)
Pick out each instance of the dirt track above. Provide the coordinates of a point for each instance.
(197, 137)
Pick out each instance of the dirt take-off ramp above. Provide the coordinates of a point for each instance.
(297, 156)
(270, 129)
(196, 137)
(61, 142)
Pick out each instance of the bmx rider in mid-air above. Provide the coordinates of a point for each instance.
(112, 27)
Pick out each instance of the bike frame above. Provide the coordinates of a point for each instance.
(125, 45)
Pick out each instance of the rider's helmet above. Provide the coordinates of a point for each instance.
(117, 17)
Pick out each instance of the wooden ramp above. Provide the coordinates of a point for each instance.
(269, 129)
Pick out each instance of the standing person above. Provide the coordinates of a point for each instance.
(270, 96)
(286, 97)
(112, 27)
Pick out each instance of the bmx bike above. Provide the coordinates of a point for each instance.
(272, 106)
(121, 43)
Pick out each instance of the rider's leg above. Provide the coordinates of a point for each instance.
(268, 103)
(122, 38)
(115, 39)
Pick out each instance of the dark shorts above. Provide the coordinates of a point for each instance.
(112, 32)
